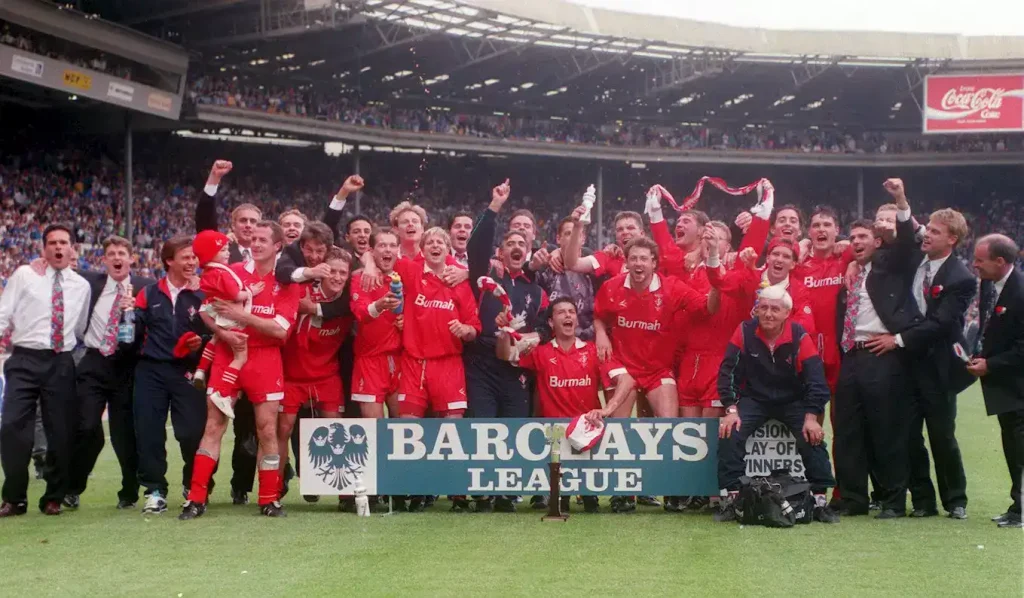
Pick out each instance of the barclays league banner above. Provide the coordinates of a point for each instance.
(674, 457)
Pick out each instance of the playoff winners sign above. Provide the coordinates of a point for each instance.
(966, 103)
(675, 457)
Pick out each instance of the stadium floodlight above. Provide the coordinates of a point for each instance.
(783, 100)
(553, 44)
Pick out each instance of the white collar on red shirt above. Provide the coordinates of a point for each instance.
(579, 344)
(655, 283)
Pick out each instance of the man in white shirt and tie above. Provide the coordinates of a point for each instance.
(49, 314)
(942, 288)
(105, 376)
(871, 410)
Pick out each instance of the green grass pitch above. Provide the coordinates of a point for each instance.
(316, 551)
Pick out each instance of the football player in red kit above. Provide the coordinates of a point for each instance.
(745, 284)
(262, 377)
(568, 371)
(438, 320)
(378, 345)
(312, 373)
(628, 226)
(822, 275)
(634, 322)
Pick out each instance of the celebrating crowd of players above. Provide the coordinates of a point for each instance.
(405, 322)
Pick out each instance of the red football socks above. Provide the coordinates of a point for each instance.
(270, 485)
(202, 472)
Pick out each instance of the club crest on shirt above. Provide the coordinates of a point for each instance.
(191, 312)
(583, 359)
(277, 288)
(529, 300)
(337, 455)
(657, 301)
(522, 380)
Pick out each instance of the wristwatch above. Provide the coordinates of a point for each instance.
(731, 410)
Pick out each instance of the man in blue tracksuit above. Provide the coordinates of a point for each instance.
(166, 313)
(495, 387)
(772, 370)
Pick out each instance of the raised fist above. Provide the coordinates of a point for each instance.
(578, 213)
(895, 188)
(748, 257)
(217, 172)
(743, 220)
(351, 185)
(710, 239)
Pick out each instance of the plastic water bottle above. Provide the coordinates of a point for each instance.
(362, 501)
(396, 290)
(126, 328)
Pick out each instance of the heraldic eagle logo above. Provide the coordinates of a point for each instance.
(338, 456)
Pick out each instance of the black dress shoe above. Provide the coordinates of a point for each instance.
(921, 513)
(503, 504)
(539, 503)
(10, 509)
(958, 513)
(51, 508)
(125, 504)
(1004, 517)
(890, 514)
(852, 511)
(72, 501)
(1013, 521)
(239, 497)
(874, 506)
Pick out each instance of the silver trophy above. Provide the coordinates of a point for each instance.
(588, 202)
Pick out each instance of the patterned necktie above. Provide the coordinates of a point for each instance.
(57, 314)
(852, 309)
(926, 287)
(986, 306)
(109, 345)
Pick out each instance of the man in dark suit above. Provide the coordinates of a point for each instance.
(871, 411)
(243, 220)
(942, 288)
(106, 376)
(999, 356)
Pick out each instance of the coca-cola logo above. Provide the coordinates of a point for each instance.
(973, 99)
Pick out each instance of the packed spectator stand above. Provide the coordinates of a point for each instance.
(303, 102)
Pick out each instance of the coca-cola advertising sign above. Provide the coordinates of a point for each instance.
(973, 103)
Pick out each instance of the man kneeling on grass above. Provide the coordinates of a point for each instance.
(771, 370)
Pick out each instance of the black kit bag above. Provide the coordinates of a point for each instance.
(797, 492)
(766, 500)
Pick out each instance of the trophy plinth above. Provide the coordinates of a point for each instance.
(554, 435)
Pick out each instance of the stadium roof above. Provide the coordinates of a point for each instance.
(554, 58)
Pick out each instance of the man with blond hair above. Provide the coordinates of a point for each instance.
(943, 288)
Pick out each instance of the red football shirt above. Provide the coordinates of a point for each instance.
(641, 323)
(606, 264)
(567, 381)
(312, 350)
(218, 283)
(429, 305)
(374, 336)
(276, 302)
(743, 284)
(823, 278)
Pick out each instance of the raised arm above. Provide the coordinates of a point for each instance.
(480, 247)
(332, 218)
(574, 248)
(206, 206)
